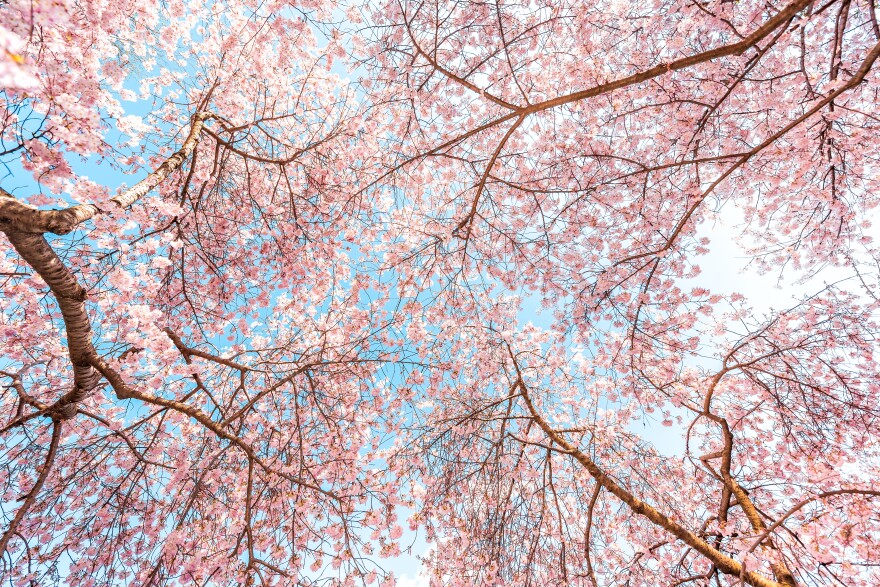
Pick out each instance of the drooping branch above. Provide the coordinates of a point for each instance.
(854, 81)
(867, 493)
(723, 562)
(125, 391)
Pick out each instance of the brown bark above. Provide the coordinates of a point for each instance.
(724, 563)
(781, 17)
(25, 225)
(71, 298)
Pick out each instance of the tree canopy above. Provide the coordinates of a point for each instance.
(287, 283)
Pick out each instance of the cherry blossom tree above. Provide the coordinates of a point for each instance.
(190, 377)
(314, 304)
(576, 154)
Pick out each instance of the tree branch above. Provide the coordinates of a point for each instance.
(725, 564)
(20, 217)
(25, 225)
(32, 494)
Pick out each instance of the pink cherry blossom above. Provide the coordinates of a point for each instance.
(279, 275)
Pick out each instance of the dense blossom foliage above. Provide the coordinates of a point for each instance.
(454, 283)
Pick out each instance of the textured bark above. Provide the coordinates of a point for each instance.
(20, 217)
(780, 569)
(71, 298)
(25, 225)
(146, 185)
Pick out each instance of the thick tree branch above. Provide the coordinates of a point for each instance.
(781, 17)
(25, 225)
(20, 217)
(71, 298)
